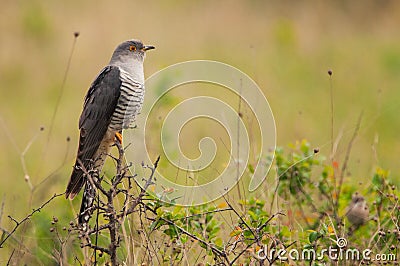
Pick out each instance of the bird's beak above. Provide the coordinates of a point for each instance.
(148, 47)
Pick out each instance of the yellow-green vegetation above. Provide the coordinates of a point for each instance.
(304, 216)
(286, 47)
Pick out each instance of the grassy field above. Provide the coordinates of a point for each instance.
(286, 47)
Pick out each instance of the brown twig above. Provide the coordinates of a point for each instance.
(240, 217)
(269, 219)
(18, 223)
(9, 259)
(182, 230)
(203, 213)
(142, 193)
(106, 205)
(61, 92)
(346, 160)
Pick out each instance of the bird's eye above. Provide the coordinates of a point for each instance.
(132, 48)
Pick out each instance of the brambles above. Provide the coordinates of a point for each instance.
(131, 226)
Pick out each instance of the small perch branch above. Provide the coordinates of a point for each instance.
(18, 223)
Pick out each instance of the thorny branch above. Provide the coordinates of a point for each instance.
(107, 207)
(209, 245)
(18, 223)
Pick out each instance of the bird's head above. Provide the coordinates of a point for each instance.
(357, 198)
(130, 50)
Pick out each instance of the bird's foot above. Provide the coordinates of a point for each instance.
(118, 137)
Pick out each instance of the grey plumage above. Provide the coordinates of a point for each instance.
(100, 103)
(111, 104)
(129, 103)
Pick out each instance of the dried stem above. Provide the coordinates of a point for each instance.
(19, 223)
(107, 206)
(347, 157)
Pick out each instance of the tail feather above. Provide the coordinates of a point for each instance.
(78, 177)
(75, 184)
(84, 167)
(87, 209)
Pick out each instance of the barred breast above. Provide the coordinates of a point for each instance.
(129, 103)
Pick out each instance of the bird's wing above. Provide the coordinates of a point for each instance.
(100, 103)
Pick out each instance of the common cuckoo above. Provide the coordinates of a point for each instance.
(111, 105)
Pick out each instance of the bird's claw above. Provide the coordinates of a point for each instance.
(118, 136)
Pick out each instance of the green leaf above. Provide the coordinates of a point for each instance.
(159, 212)
(251, 168)
(154, 225)
(253, 216)
(171, 232)
(218, 242)
(236, 232)
(247, 233)
(313, 236)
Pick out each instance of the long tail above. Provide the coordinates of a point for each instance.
(76, 181)
(87, 208)
(89, 192)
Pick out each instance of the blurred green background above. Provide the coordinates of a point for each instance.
(285, 46)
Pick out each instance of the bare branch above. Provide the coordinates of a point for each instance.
(347, 157)
(18, 223)
(213, 248)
